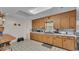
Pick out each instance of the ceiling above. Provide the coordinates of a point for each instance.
(29, 13)
(23, 10)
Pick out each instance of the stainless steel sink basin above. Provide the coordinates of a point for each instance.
(52, 33)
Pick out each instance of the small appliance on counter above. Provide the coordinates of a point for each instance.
(38, 30)
(56, 31)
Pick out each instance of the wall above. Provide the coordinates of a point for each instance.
(28, 28)
(77, 22)
(15, 30)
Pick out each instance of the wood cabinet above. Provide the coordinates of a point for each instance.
(32, 36)
(68, 20)
(33, 23)
(64, 23)
(40, 37)
(72, 17)
(51, 40)
(56, 21)
(48, 39)
(69, 43)
(66, 42)
(38, 23)
(36, 36)
(61, 21)
(58, 41)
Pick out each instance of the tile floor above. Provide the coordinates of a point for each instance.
(31, 45)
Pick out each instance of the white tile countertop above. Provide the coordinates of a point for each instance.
(55, 34)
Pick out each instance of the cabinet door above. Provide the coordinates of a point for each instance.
(32, 36)
(35, 36)
(72, 16)
(58, 41)
(42, 23)
(57, 22)
(64, 21)
(50, 40)
(45, 38)
(68, 43)
(40, 37)
(33, 24)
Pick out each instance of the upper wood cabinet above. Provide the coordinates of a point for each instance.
(61, 21)
(56, 20)
(72, 17)
(38, 23)
(64, 22)
(34, 24)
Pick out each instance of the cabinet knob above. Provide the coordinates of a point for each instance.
(64, 40)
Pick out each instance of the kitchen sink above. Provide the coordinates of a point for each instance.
(52, 33)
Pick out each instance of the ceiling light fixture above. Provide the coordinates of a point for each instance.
(39, 9)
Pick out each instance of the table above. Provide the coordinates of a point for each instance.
(6, 39)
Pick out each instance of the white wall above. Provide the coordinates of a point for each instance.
(28, 28)
(15, 30)
(77, 22)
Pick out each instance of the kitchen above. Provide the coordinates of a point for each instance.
(52, 27)
(58, 30)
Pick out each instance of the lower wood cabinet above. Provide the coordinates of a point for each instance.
(51, 40)
(66, 42)
(58, 41)
(48, 39)
(69, 43)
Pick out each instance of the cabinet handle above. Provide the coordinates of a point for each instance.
(64, 40)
